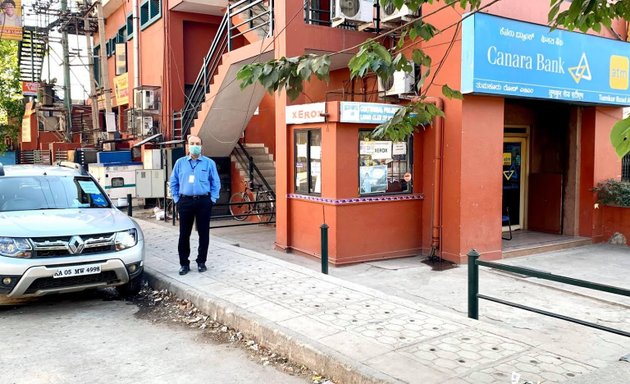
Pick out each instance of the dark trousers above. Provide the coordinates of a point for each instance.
(190, 211)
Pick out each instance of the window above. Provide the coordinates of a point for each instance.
(130, 27)
(122, 34)
(625, 168)
(308, 165)
(97, 64)
(150, 12)
(384, 166)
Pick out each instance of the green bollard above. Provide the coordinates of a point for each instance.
(473, 284)
(324, 228)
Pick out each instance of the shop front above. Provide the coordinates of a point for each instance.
(559, 94)
(363, 188)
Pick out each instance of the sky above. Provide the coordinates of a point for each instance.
(79, 75)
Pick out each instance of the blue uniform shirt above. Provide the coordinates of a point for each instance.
(206, 178)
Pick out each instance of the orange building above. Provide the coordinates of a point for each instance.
(522, 150)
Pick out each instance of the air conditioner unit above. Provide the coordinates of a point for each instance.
(144, 125)
(400, 83)
(390, 13)
(354, 10)
(146, 100)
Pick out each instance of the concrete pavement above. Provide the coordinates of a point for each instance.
(357, 334)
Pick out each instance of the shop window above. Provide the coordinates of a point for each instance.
(384, 166)
(150, 12)
(130, 27)
(308, 165)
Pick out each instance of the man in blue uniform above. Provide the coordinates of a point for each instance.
(195, 185)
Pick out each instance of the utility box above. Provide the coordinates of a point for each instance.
(152, 158)
(118, 180)
(149, 183)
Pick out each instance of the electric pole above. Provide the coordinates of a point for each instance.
(67, 94)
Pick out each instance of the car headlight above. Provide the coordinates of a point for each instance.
(126, 239)
(15, 247)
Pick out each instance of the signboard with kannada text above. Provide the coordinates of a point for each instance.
(368, 113)
(513, 58)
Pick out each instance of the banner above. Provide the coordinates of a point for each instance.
(11, 19)
(513, 58)
(121, 89)
(29, 88)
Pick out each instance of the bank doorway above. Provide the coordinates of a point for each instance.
(514, 182)
(539, 173)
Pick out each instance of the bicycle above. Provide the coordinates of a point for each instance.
(254, 200)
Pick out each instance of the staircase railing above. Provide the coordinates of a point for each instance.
(259, 16)
(247, 161)
(210, 64)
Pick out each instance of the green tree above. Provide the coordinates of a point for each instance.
(373, 56)
(11, 105)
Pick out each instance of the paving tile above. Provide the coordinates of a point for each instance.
(310, 327)
(531, 366)
(398, 332)
(358, 348)
(405, 369)
(273, 312)
(464, 350)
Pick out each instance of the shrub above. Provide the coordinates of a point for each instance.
(613, 192)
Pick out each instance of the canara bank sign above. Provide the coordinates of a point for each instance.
(508, 57)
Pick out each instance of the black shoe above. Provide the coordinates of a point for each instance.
(184, 270)
(201, 267)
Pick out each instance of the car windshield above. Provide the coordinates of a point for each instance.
(50, 192)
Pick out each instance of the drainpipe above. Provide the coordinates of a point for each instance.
(136, 52)
(436, 207)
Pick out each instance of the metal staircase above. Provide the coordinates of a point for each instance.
(251, 16)
(32, 49)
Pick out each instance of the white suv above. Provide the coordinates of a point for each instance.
(59, 232)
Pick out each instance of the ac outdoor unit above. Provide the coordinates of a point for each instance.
(354, 10)
(145, 99)
(400, 83)
(390, 13)
(145, 125)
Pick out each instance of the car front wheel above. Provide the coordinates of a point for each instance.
(131, 288)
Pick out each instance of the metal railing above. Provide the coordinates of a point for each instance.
(254, 175)
(258, 14)
(315, 14)
(201, 87)
(473, 291)
(35, 157)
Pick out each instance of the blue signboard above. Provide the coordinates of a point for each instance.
(508, 57)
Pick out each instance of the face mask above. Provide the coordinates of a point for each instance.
(195, 150)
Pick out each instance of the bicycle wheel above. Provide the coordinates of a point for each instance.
(264, 207)
(239, 206)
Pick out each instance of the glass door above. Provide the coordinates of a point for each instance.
(514, 182)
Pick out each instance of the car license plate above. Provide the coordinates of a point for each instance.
(77, 270)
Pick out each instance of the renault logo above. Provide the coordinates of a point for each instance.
(76, 245)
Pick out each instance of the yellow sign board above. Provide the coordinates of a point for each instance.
(121, 89)
(507, 158)
(11, 19)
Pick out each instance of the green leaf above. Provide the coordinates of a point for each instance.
(451, 93)
(620, 137)
(383, 53)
